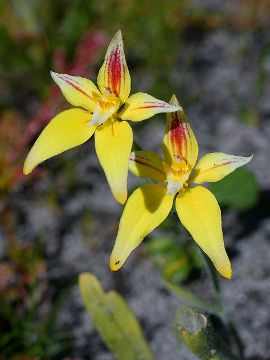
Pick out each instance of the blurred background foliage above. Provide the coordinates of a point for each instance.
(71, 37)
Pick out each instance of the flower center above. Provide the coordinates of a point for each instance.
(108, 101)
(106, 106)
(177, 175)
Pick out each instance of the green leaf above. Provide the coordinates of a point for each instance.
(199, 336)
(239, 190)
(114, 321)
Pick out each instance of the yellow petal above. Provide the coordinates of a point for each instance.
(147, 164)
(113, 77)
(179, 142)
(77, 90)
(215, 166)
(146, 208)
(68, 129)
(113, 143)
(142, 106)
(199, 212)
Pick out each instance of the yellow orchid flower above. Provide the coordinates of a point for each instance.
(103, 111)
(197, 207)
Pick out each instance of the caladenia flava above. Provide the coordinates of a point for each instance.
(102, 110)
(176, 178)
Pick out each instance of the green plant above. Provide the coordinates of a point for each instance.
(114, 321)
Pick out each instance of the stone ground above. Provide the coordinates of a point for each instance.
(222, 79)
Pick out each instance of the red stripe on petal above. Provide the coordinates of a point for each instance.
(69, 82)
(136, 160)
(178, 133)
(151, 107)
(115, 68)
(219, 165)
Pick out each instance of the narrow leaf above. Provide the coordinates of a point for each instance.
(114, 321)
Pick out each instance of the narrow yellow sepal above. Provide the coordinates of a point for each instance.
(142, 106)
(199, 212)
(68, 129)
(146, 208)
(77, 90)
(215, 166)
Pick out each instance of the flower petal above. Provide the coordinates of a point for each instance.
(215, 166)
(179, 142)
(147, 164)
(113, 143)
(142, 106)
(68, 129)
(113, 77)
(199, 212)
(77, 90)
(147, 208)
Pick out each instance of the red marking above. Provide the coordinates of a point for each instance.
(76, 87)
(217, 166)
(156, 102)
(178, 136)
(189, 138)
(114, 68)
(146, 164)
(226, 163)
(150, 107)
(124, 74)
(185, 128)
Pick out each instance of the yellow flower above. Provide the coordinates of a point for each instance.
(103, 111)
(197, 207)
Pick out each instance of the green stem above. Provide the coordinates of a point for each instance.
(213, 276)
(236, 337)
(223, 315)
